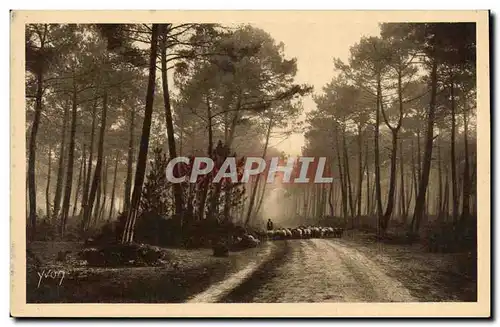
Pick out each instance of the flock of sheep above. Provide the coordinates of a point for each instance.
(246, 241)
(304, 232)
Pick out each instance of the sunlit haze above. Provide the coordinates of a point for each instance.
(315, 46)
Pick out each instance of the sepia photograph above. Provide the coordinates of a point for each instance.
(246, 163)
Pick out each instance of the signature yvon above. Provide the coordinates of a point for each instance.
(52, 274)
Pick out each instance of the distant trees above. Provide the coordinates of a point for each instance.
(403, 83)
(73, 89)
(230, 84)
(397, 123)
(43, 51)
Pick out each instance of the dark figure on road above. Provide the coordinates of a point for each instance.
(269, 225)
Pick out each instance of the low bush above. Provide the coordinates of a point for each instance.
(244, 242)
(122, 255)
(220, 250)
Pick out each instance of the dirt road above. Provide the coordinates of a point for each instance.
(319, 270)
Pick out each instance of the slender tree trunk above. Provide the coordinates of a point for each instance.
(378, 191)
(79, 181)
(61, 164)
(210, 150)
(261, 199)
(213, 209)
(128, 234)
(409, 196)
(84, 178)
(112, 204)
(446, 200)
(104, 189)
(330, 203)
(404, 213)
(130, 160)
(414, 169)
(454, 190)
(368, 197)
(169, 121)
(47, 188)
(69, 172)
(312, 200)
(32, 142)
(98, 168)
(97, 207)
(373, 208)
(342, 180)
(392, 182)
(394, 152)
(440, 181)
(347, 175)
(86, 186)
(360, 170)
(466, 184)
(419, 159)
(420, 201)
(473, 184)
(254, 189)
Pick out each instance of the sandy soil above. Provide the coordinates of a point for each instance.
(351, 269)
(185, 274)
(321, 270)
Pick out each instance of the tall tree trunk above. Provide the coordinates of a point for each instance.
(130, 160)
(256, 184)
(312, 200)
(419, 159)
(343, 189)
(128, 234)
(473, 184)
(69, 171)
(378, 191)
(213, 209)
(368, 197)
(47, 188)
(360, 170)
(440, 182)
(261, 199)
(169, 121)
(466, 184)
(392, 182)
(97, 207)
(347, 175)
(112, 204)
(227, 200)
(330, 203)
(446, 196)
(404, 213)
(61, 164)
(98, 168)
(84, 178)
(86, 186)
(455, 200)
(422, 190)
(34, 132)
(104, 189)
(210, 150)
(323, 200)
(394, 152)
(409, 196)
(414, 169)
(70, 164)
(79, 181)
(373, 208)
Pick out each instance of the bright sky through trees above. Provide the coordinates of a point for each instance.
(315, 46)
